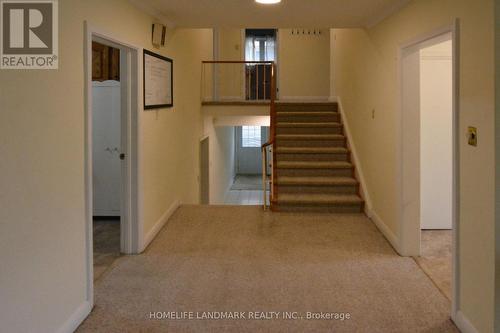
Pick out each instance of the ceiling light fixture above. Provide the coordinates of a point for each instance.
(268, 2)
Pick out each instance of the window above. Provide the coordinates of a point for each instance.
(250, 136)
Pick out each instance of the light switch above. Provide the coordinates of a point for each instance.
(472, 135)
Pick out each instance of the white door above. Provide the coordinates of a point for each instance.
(249, 140)
(106, 146)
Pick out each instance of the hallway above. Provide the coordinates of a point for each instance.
(215, 258)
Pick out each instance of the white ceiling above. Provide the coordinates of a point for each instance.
(288, 14)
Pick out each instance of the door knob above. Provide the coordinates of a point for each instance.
(122, 156)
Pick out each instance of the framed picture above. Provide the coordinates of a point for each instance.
(158, 81)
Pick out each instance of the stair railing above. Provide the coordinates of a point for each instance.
(269, 147)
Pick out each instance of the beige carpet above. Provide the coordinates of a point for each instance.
(106, 237)
(226, 258)
(436, 258)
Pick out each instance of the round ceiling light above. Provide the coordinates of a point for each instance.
(268, 2)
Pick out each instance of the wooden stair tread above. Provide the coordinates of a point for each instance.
(316, 181)
(313, 165)
(319, 198)
(311, 150)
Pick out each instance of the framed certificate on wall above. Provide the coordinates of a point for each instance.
(158, 81)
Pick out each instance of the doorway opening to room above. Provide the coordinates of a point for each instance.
(111, 150)
(106, 155)
(429, 158)
(247, 187)
(260, 45)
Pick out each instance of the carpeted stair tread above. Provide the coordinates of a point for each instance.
(305, 124)
(310, 136)
(311, 150)
(319, 199)
(313, 165)
(313, 168)
(316, 181)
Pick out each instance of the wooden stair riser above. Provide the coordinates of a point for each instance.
(312, 157)
(315, 172)
(308, 130)
(330, 189)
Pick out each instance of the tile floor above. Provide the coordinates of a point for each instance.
(246, 191)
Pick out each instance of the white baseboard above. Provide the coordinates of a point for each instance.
(76, 318)
(463, 323)
(303, 98)
(158, 225)
(384, 229)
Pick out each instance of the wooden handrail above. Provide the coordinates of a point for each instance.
(272, 137)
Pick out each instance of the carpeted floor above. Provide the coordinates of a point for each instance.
(223, 258)
(436, 258)
(106, 237)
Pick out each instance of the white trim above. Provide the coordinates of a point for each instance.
(304, 98)
(72, 323)
(159, 225)
(463, 323)
(384, 229)
(132, 230)
(406, 230)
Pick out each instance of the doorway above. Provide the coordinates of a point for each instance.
(247, 187)
(205, 171)
(428, 154)
(111, 149)
(260, 46)
(106, 154)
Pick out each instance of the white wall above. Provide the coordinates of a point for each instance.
(436, 146)
(304, 65)
(222, 159)
(42, 207)
(367, 78)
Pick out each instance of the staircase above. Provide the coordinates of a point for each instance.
(313, 170)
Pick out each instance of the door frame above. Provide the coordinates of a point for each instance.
(409, 230)
(131, 231)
